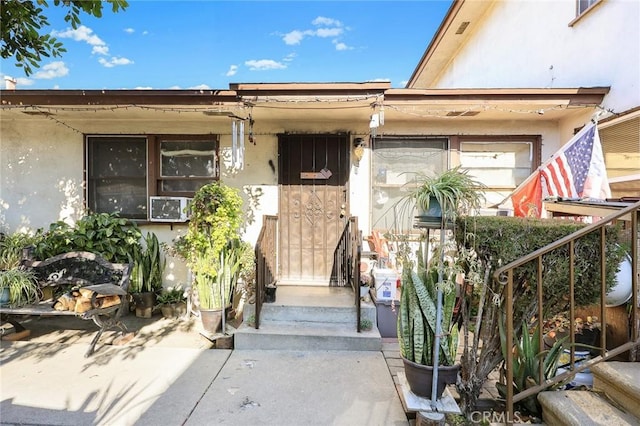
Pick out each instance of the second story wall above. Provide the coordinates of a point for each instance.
(532, 44)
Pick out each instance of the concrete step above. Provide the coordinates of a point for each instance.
(579, 408)
(306, 335)
(620, 381)
(295, 327)
(328, 314)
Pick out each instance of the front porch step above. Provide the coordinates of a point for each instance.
(579, 408)
(620, 381)
(309, 318)
(614, 400)
(305, 335)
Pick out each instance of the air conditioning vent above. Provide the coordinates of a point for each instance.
(168, 209)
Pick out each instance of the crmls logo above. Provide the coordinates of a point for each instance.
(486, 417)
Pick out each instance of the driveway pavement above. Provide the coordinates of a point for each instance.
(169, 375)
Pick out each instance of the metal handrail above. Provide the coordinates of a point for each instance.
(266, 261)
(504, 275)
(346, 262)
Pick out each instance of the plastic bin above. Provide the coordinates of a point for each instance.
(387, 316)
(386, 283)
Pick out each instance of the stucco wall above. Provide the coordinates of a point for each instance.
(41, 165)
(529, 44)
(41, 180)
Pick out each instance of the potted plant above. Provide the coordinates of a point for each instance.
(172, 302)
(21, 286)
(146, 276)
(215, 284)
(16, 287)
(441, 197)
(212, 250)
(417, 328)
(586, 332)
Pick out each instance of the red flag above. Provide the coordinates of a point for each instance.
(527, 199)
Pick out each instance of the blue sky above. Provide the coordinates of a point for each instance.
(209, 44)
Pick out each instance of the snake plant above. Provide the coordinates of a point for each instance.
(417, 317)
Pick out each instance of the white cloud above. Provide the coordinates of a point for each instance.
(143, 88)
(52, 70)
(100, 50)
(129, 30)
(85, 34)
(199, 87)
(264, 64)
(294, 37)
(233, 69)
(330, 28)
(321, 20)
(289, 57)
(145, 32)
(329, 32)
(341, 46)
(114, 61)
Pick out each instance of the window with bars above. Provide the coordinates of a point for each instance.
(122, 172)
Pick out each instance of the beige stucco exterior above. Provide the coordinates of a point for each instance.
(504, 48)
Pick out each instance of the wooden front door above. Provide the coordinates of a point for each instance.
(313, 175)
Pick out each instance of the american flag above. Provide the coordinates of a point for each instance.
(577, 170)
(565, 174)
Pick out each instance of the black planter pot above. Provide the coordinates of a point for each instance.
(270, 294)
(432, 218)
(420, 377)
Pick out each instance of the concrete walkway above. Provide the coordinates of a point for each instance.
(167, 375)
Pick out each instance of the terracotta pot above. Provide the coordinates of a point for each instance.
(420, 376)
(173, 310)
(212, 319)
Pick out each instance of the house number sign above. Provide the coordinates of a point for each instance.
(322, 174)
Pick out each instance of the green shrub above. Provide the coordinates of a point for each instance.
(500, 240)
(114, 238)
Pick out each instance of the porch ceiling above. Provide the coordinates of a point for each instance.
(288, 107)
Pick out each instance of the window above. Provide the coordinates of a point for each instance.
(501, 163)
(124, 171)
(186, 165)
(584, 5)
(396, 161)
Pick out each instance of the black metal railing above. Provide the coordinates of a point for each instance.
(266, 261)
(505, 275)
(346, 262)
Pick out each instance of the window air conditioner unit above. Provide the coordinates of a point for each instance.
(168, 209)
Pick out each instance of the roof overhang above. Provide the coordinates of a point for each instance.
(453, 32)
(342, 104)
